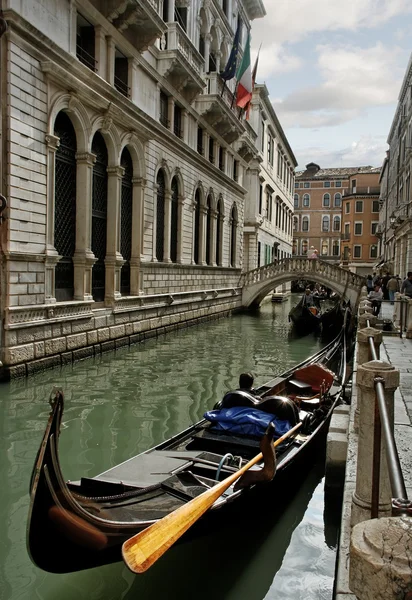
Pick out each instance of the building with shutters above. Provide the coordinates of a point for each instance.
(337, 214)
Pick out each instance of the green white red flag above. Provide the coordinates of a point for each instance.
(244, 78)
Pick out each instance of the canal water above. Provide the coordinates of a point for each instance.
(120, 404)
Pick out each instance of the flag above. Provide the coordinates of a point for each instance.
(231, 65)
(244, 78)
(254, 72)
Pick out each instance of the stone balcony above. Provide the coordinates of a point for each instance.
(218, 107)
(181, 63)
(138, 21)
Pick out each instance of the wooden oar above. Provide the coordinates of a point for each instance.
(142, 550)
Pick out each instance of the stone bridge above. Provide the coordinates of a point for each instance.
(260, 282)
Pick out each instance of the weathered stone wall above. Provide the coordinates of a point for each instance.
(43, 337)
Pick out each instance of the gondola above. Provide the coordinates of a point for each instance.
(305, 319)
(82, 524)
(332, 319)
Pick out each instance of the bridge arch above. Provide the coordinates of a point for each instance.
(258, 283)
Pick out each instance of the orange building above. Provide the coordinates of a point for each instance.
(336, 213)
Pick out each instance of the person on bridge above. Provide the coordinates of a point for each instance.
(314, 254)
(376, 297)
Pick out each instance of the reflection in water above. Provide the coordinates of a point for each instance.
(122, 403)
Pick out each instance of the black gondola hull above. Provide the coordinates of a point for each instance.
(81, 525)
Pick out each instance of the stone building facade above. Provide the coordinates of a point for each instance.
(123, 170)
(269, 208)
(337, 213)
(395, 220)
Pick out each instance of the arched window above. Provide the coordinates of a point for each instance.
(295, 223)
(305, 223)
(196, 241)
(338, 200)
(336, 223)
(208, 230)
(325, 223)
(306, 200)
(325, 248)
(326, 200)
(304, 247)
(65, 207)
(126, 221)
(160, 216)
(233, 236)
(294, 247)
(219, 230)
(174, 212)
(99, 216)
(335, 248)
(296, 200)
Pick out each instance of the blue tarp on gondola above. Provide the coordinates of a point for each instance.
(246, 421)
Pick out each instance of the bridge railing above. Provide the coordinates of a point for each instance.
(301, 267)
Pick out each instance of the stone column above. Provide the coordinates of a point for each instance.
(101, 51)
(84, 258)
(362, 497)
(202, 235)
(111, 51)
(171, 112)
(137, 235)
(185, 127)
(181, 205)
(364, 318)
(380, 554)
(364, 352)
(212, 241)
(167, 228)
(52, 256)
(132, 79)
(364, 355)
(208, 39)
(114, 260)
(171, 11)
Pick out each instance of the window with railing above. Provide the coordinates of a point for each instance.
(121, 73)
(221, 158)
(177, 121)
(200, 134)
(163, 106)
(85, 43)
(211, 150)
(235, 170)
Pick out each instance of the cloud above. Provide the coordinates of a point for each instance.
(368, 150)
(277, 59)
(352, 79)
(291, 21)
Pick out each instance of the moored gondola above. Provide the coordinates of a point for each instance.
(79, 525)
(305, 317)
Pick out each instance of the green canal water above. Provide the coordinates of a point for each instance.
(122, 403)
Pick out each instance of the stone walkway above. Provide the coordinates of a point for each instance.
(397, 351)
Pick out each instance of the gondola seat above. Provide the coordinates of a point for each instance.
(279, 406)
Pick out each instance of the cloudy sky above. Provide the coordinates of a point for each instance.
(334, 69)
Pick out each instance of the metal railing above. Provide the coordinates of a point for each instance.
(382, 424)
